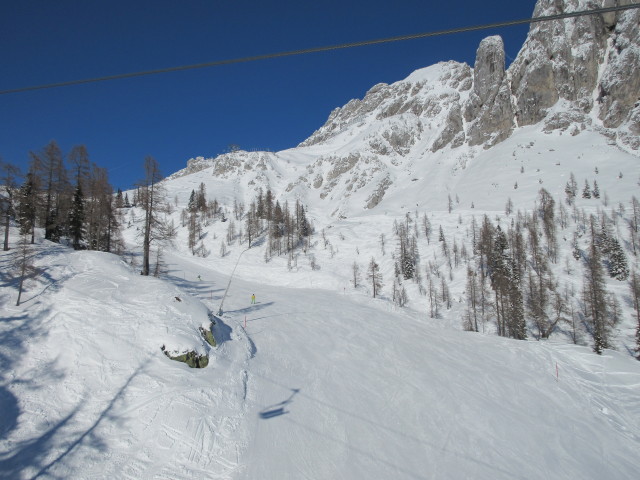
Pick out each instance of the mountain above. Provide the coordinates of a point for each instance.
(571, 76)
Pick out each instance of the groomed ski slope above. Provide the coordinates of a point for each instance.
(320, 385)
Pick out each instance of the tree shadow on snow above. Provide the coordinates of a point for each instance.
(221, 331)
(15, 334)
(10, 412)
(200, 288)
(58, 442)
(252, 308)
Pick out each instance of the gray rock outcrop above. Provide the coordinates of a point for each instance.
(592, 62)
(489, 108)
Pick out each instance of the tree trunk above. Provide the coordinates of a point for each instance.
(6, 232)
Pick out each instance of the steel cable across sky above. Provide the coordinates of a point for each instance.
(328, 48)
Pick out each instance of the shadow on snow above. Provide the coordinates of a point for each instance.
(278, 409)
(57, 442)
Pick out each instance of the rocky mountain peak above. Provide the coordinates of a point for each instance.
(590, 62)
(570, 75)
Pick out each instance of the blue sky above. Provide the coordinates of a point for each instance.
(268, 104)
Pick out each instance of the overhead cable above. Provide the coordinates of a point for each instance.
(342, 46)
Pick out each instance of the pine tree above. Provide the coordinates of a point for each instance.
(119, 199)
(192, 205)
(586, 191)
(76, 218)
(617, 264)
(191, 232)
(434, 298)
(596, 190)
(27, 206)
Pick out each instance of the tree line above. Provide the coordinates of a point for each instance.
(512, 265)
(69, 200)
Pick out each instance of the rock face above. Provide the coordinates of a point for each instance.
(489, 109)
(619, 88)
(591, 62)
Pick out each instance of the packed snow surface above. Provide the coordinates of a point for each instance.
(318, 385)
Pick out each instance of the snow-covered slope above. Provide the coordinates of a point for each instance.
(317, 385)
(85, 390)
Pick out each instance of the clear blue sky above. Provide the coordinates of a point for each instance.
(268, 104)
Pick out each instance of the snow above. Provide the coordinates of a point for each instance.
(322, 383)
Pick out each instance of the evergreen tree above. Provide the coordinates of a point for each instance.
(617, 264)
(596, 190)
(119, 199)
(434, 298)
(27, 206)
(191, 235)
(586, 191)
(426, 227)
(192, 205)
(76, 218)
